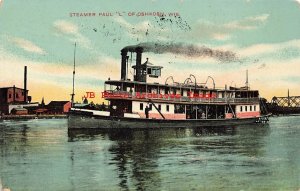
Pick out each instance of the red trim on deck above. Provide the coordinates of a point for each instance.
(248, 114)
(167, 116)
(228, 116)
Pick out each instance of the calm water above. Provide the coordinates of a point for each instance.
(40, 155)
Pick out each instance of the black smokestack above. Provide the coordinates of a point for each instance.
(139, 51)
(25, 84)
(123, 64)
(185, 50)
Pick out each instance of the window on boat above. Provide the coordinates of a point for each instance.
(17, 95)
(167, 108)
(246, 108)
(250, 107)
(141, 106)
(157, 72)
(178, 108)
(255, 108)
(241, 108)
(150, 106)
(159, 107)
(9, 96)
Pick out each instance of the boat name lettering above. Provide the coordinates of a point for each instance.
(89, 95)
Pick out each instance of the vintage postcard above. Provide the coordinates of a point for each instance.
(149, 95)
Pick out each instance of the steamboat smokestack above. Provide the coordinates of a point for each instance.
(25, 84)
(139, 51)
(123, 64)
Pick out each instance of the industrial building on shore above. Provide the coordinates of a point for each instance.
(16, 101)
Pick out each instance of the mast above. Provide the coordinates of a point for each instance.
(247, 82)
(73, 94)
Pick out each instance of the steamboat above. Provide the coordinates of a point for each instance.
(138, 103)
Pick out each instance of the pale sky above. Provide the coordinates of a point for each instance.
(264, 35)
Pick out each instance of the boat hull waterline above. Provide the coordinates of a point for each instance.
(88, 121)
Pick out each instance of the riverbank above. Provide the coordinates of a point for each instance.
(24, 117)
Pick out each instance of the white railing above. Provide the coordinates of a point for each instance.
(177, 97)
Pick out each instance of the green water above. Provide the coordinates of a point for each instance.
(41, 155)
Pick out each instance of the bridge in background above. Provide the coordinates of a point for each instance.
(289, 101)
(284, 105)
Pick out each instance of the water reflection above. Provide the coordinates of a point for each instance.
(246, 157)
(17, 142)
(141, 156)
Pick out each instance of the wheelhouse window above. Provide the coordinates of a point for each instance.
(246, 108)
(159, 107)
(250, 107)
(154, 72)
(150, 106)
(9, 95)
(141, 106)
(255, 108)
(241, 108)
(167, 108)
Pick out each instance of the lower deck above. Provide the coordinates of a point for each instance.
(176, 111)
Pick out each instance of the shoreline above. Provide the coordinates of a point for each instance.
(24, 117)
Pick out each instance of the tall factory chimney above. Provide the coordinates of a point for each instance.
(14, 94)
(139, 51)
(25, 84)
(123, 64)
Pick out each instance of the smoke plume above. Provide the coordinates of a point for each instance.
(185, 50)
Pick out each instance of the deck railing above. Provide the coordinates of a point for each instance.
(175, 97)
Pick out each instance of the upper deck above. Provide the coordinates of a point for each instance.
(177, 93)
(189, 91)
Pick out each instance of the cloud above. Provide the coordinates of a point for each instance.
(71, 31)
(206, 29)
(259, 53)
(297, 1)
(248, 23)
(221, 36)
(271, 48)
(66, 27)
(27, 45)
